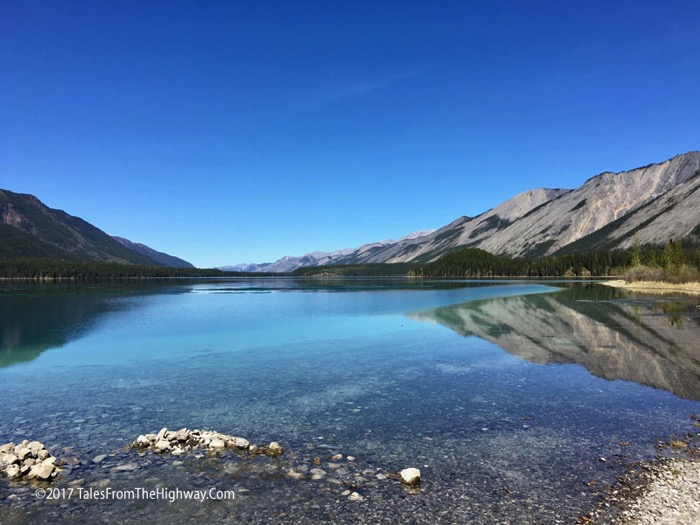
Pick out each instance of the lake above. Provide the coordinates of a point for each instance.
(518, 401)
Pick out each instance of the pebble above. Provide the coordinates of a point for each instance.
(125, 467)
(317, 473)
(294, 474)
(355, 497)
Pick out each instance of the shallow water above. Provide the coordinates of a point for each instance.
(506, 395)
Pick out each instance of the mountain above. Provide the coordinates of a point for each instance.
(160, 257)
(673, 215)
(421, 246)
(29, 228)
(463, 232)
(15, 243)
(597, 203)
(659, 201)
(290, 263)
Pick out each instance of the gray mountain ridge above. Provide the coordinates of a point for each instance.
(658, 201)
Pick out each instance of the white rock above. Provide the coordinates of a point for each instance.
(410, 476)
(9, 459)
(41, 471)
(35, 447)
(294, 474)
(163, 445)
(317, 473)
(7, 448)
(12, 472)
(161, 435)
(181, 435)
(241, 442)
(355, 497)
(23, 453)
(217, 443)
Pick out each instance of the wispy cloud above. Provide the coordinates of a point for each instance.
(338, 90)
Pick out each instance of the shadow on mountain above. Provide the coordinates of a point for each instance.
(653, 342)
(35, 318)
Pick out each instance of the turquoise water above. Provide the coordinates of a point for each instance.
(505, 395)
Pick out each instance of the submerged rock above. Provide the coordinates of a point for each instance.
(317, 473)
(274, 449)
(355, 497)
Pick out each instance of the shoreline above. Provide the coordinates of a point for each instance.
(655, 287)
(660, 491)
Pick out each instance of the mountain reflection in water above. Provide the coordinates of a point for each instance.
(651, 341)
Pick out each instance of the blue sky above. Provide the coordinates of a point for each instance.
(228, 132)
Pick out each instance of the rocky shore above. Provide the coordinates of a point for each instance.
(661, 492)
(655, 287)
(666, 493)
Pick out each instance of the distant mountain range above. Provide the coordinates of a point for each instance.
(658, 202)
(29, 228)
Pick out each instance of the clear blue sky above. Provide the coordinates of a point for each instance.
(227, 132)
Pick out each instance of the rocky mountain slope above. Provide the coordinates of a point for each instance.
(290, 263)
(659, 201)
(160, 257)
(32, 229)
(673, 215)
(597, 203)
(465, 231)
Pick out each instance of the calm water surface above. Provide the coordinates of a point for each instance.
(505, 395)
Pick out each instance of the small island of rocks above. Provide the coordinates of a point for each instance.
(182, 441)
(29, 460)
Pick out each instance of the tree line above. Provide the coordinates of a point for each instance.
(33, 268)
(474, 262)
(468, 262)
